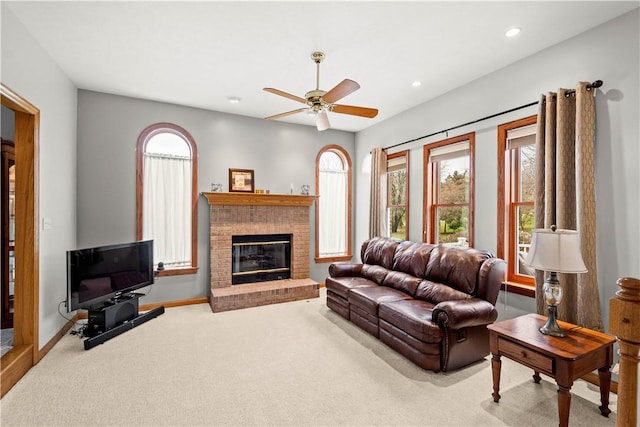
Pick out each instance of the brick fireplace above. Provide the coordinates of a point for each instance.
(233, 214)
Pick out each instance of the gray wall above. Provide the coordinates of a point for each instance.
(30, 72)
(281, 154)
(7, 121)
(609, 52)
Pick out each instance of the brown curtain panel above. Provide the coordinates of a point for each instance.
(564, 196)
(378, 196)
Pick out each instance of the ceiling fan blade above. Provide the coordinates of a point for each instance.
(288, 113)
(341, 90)
(322, 120)
(285, 94)
(355, 111)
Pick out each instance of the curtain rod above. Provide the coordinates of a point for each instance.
(595, 84)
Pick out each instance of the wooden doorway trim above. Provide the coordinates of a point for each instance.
(24, 353)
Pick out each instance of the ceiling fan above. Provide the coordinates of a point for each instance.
(319, 102)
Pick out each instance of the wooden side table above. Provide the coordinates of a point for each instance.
(564, 359)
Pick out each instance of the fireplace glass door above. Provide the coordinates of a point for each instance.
(259, 258)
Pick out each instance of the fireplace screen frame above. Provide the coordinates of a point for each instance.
(260, 257)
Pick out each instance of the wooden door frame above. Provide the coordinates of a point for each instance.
(8, 161)
(25, 351)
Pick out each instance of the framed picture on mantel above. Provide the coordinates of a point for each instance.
(241, 180)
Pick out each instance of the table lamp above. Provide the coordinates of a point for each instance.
(555, 251)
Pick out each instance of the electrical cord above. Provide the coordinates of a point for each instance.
(60, 312)
(78, 326)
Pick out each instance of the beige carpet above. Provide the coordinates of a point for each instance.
(287, 364)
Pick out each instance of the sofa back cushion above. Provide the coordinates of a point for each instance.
(412, 258)
(437, 292)
(456, 267)
(402, 281)
(380, 251)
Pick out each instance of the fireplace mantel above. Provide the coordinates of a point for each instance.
(254, 199)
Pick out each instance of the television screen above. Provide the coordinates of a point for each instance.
(95, 275)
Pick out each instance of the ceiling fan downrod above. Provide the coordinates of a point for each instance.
(317, 58)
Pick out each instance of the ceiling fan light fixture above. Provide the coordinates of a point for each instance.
(322, 121)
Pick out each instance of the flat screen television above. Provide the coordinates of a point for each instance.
(102, 273)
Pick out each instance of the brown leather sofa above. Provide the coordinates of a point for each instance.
(430, 303)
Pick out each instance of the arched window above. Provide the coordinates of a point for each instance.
(166, 196)
(333, 207)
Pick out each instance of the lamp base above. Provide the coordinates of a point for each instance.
(551, 327)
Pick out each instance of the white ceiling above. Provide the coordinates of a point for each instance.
(201, 53)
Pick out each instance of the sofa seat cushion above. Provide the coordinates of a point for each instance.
(368, 298)
(342, 285)
(412, 316)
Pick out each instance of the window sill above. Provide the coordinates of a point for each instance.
(176, 271)
(320, 260)
(519, 288)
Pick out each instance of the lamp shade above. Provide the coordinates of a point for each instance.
(556, 250)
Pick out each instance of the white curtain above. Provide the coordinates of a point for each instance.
(333, 213)
(378, 194)
(167, 208)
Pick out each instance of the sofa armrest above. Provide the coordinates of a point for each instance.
(492, 274)
(345, 269)
(464, 313)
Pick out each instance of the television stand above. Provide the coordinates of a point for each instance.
(114, 317)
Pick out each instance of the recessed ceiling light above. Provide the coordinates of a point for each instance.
(234, 99)
(512, 32)
(417, 83)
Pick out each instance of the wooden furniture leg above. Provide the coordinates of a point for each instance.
(496, 365)
(536, 377)
(604, 376)
(564, 404)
